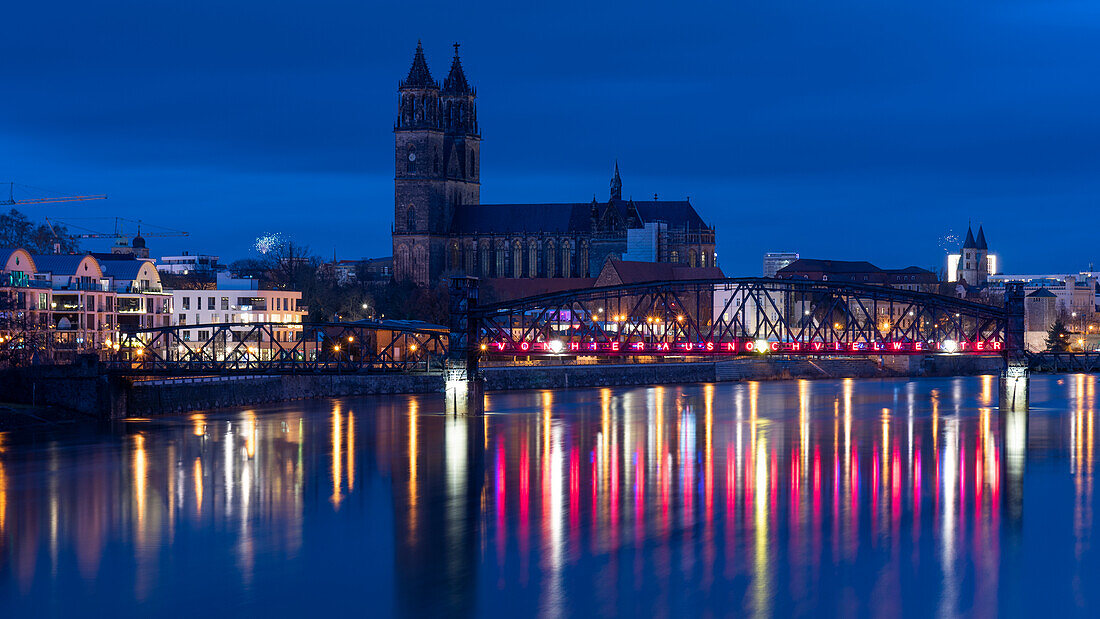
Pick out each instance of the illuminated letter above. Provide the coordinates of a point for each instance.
(918, 346)
(614, 347)
(710, 346)
(574, 346)
(524, 346)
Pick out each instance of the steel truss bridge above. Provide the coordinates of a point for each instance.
(708, 318)
(1064, 362)
(696, 319)
(281, 348)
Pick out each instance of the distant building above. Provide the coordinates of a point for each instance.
(134, 249)
(365, 269)
(974, 263)
(440, 226)
(236, 301)
(188, 264)
(1073, 292)
(1040, 311)
(775, 260)
(860, 272)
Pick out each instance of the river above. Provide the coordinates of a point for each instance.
(880, 497)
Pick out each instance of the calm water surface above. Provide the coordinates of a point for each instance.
(812, 497)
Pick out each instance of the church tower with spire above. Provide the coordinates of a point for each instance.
(974, 267)
(436, 151)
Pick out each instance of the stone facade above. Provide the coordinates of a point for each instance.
(441, 228)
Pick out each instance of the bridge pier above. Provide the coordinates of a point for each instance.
(465, 388)
(1015, 378)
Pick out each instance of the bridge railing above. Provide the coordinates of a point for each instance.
(281, 348)
(739, 316)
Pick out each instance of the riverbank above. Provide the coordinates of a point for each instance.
(63, 393)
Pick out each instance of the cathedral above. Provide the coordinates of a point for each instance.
(441, 228)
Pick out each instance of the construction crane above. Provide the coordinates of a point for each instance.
(12, 201)
(119, 234)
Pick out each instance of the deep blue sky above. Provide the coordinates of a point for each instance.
(845, 129)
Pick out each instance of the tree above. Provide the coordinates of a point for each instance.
(1058, 337)
(18, 231)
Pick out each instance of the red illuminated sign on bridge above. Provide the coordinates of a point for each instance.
(739, 347)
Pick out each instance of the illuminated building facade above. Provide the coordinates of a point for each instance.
(440, 226)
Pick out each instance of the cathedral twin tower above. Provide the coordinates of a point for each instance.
(436, 166)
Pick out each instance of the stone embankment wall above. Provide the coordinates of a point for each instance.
(84, 388)
(171, 396)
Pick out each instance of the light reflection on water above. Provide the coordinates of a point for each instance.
(760, 498)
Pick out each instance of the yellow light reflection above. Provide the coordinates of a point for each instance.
(761, 584)
(250, 434)
(199, 421)
(139, 470)
(196, 473)
(337, 456)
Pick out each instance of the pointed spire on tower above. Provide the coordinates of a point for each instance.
(981, 238)
(616, 184)
(969, 243)
(419, 75)
(456, 79)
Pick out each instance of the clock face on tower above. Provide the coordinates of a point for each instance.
(412, 156)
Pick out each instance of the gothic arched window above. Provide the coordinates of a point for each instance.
(549, 261)
(410, 219)
(532, 258)
(517, 258)
(456, 259)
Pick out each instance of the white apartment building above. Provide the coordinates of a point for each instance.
(188, 264)
(237, 301)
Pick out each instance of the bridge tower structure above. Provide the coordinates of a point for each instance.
(1015, 376)
(463, 382)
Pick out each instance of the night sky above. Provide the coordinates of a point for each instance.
(843, 129)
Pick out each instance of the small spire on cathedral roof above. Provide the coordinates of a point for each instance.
(419, 75)
(456, 79)
(981, 238)
(616, 184)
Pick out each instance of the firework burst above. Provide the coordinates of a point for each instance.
(950, 242)
(268, 242)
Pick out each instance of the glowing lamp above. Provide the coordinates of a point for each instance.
(761, 346)
(950, 345)
(484, 347)
(412, 347)
(556, 346)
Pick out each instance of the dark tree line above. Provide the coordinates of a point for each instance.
(18, 231)
(290, 266)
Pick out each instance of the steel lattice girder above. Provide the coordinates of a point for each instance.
(255, 348)
(838, 317)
